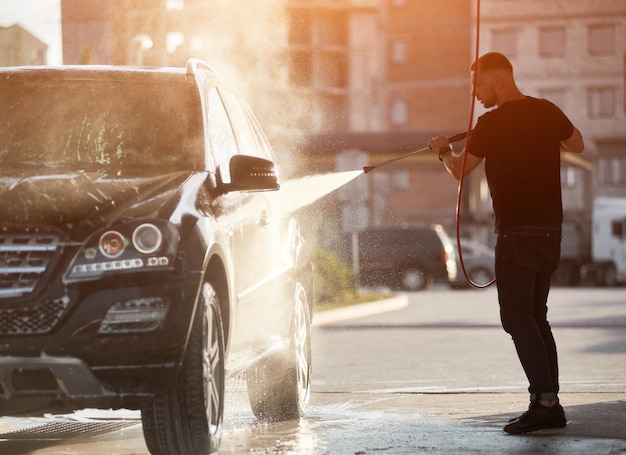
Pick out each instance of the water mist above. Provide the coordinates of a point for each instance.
(297, 193)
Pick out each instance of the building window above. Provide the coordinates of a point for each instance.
(484, 203)
(300, 69)
(398, 50)
(400, 180)
(335, 72)
(173, 41)
(611, 171)
(505, 41)
(601, 39)
(601, 101)
(552, 42)
(570, 176)
(555, 95)
(400, 112)
(300, 29)
(332, 28)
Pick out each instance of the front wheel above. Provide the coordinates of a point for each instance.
(185, 417)
(279, 387)
(413, 279)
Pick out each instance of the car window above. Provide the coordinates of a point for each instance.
(86, 123)
(222, 142)
(250, 137)
(264, 143)
(245, 137)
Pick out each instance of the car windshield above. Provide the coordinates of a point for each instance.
(126, 125)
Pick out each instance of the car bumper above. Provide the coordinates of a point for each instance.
(110, 346)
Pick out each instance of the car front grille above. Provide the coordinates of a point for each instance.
(26, 254)
(24, 258)
(32, 320)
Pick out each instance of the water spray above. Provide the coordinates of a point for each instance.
(297, 193)
(457, 137)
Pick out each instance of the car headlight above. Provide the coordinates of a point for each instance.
(129, 247)
(147, 238)
(112, 244)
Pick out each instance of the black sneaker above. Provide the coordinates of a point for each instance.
(538, 417)
(532, 404)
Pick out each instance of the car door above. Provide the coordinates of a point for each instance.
(221, 147)
(259, 246)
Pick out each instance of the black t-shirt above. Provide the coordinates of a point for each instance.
(520, 141)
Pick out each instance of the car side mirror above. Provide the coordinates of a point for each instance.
(250, 173)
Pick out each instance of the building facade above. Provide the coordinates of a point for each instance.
(391, 74)
(574, 54)
(391, 68)
(19, 47)
(346, 83)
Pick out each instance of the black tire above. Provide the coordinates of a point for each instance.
(567, 274)
(413, 279)
(279, 387)
(185, 418)
(608, 276)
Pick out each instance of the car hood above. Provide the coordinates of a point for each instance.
(79, 202)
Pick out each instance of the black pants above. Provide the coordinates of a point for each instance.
(526, 257)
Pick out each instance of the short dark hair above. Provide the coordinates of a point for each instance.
(492, 61)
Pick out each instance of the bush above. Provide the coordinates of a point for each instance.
(332, 279)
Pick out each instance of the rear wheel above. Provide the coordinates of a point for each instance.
(185, 417)
(607, 276)
(279, 387)
(567, 274)
(480, 276)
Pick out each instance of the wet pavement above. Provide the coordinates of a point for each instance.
(371, 425)
(428, 373)
(366, 424)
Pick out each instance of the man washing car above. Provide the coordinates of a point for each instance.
(520, 141)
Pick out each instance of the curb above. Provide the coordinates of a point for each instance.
(360, 310)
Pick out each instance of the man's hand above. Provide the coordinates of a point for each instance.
(453, 162)
(438, 142)
(441, 145)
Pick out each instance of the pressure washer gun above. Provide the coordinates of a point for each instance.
(455, 138)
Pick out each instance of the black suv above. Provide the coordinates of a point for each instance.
(407, 257)
(144, 257)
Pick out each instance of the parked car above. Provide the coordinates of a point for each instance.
(143, 259)
(479, 263)
(410, 258)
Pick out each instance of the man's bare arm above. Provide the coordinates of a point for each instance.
(454, 162)
(575, 143)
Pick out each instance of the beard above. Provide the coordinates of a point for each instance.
(488, 97)
(488, 104)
